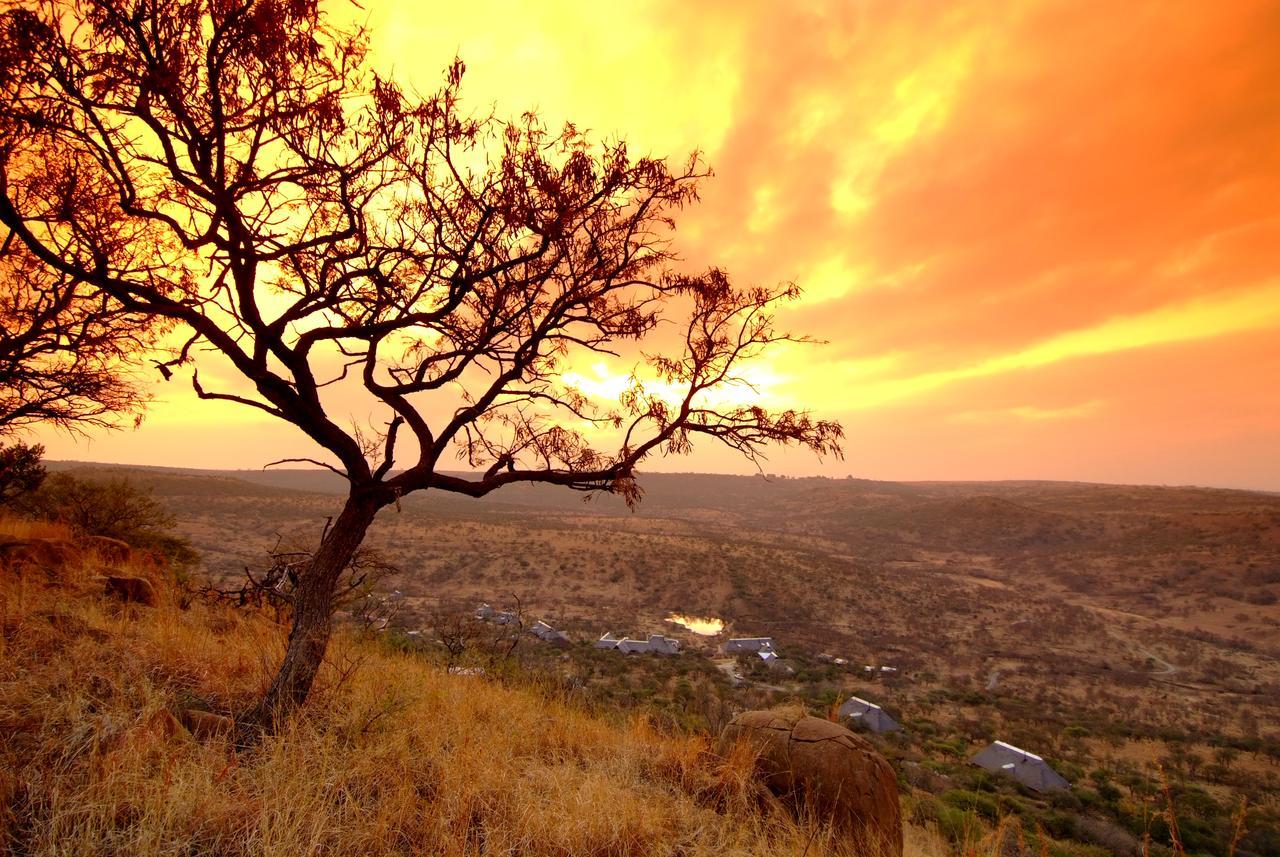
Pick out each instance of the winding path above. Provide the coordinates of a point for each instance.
(1166, 668)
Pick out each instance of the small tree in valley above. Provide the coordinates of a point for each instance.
(21, 471)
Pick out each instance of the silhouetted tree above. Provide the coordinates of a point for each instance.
(230, 166)
(66, 348)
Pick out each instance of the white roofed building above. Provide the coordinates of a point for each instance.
(608, 641)
(868, 715)
(748, 645)
(547, 634)
(655, 645)
(500, 617)
(1027, 768)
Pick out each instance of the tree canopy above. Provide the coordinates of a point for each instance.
(68, 352)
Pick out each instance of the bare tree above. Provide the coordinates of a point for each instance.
(458, 631)
(494, 639)
(230, 166)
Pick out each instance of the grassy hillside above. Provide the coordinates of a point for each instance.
(1117, 630)
(394, 756)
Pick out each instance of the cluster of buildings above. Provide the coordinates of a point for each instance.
(498, 617)
(547, 634)
(763, 647)
(539, 629)
(1027, 768)
(1000, 758)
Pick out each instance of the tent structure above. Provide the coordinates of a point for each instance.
(547, 634)
(1027, 768)
(608, 641)
(868, 714)
(500, 617)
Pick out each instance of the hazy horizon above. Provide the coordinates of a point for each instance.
(642, 472)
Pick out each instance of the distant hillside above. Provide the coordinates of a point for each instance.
(172, 483)
(1194, 558)
(166, 481)
(664, 492)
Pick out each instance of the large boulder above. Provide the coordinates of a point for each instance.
(818, 766)
(109, 550)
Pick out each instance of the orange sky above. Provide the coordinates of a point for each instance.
(1042, 239)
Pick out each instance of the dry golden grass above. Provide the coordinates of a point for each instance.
(22, 528)
(393, 756)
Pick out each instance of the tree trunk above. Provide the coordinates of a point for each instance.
(312, 618)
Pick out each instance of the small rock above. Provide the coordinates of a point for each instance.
(135, 590)
(206, 724)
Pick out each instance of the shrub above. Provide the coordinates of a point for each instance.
(1068, 800)
(1077, 849)
(1060, 825)
(984, 805)
(958, 826)
(1108, 792)
(1088, 797)
(115, 508)
(21, 472)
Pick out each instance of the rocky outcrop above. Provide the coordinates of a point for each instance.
(50, 555)
(817, 766)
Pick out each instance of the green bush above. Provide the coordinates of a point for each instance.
(920, 726)
(1077, 849)
(1068, 800)
(1060, 825)
(954, 748)
(1088, 798)
(958, 826)
(1109, 793)
(21, 472)
(983, 804)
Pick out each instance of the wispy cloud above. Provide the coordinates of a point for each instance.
(1204, 318)
(1029, 413)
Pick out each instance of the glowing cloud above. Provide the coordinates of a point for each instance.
(1004, 213)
